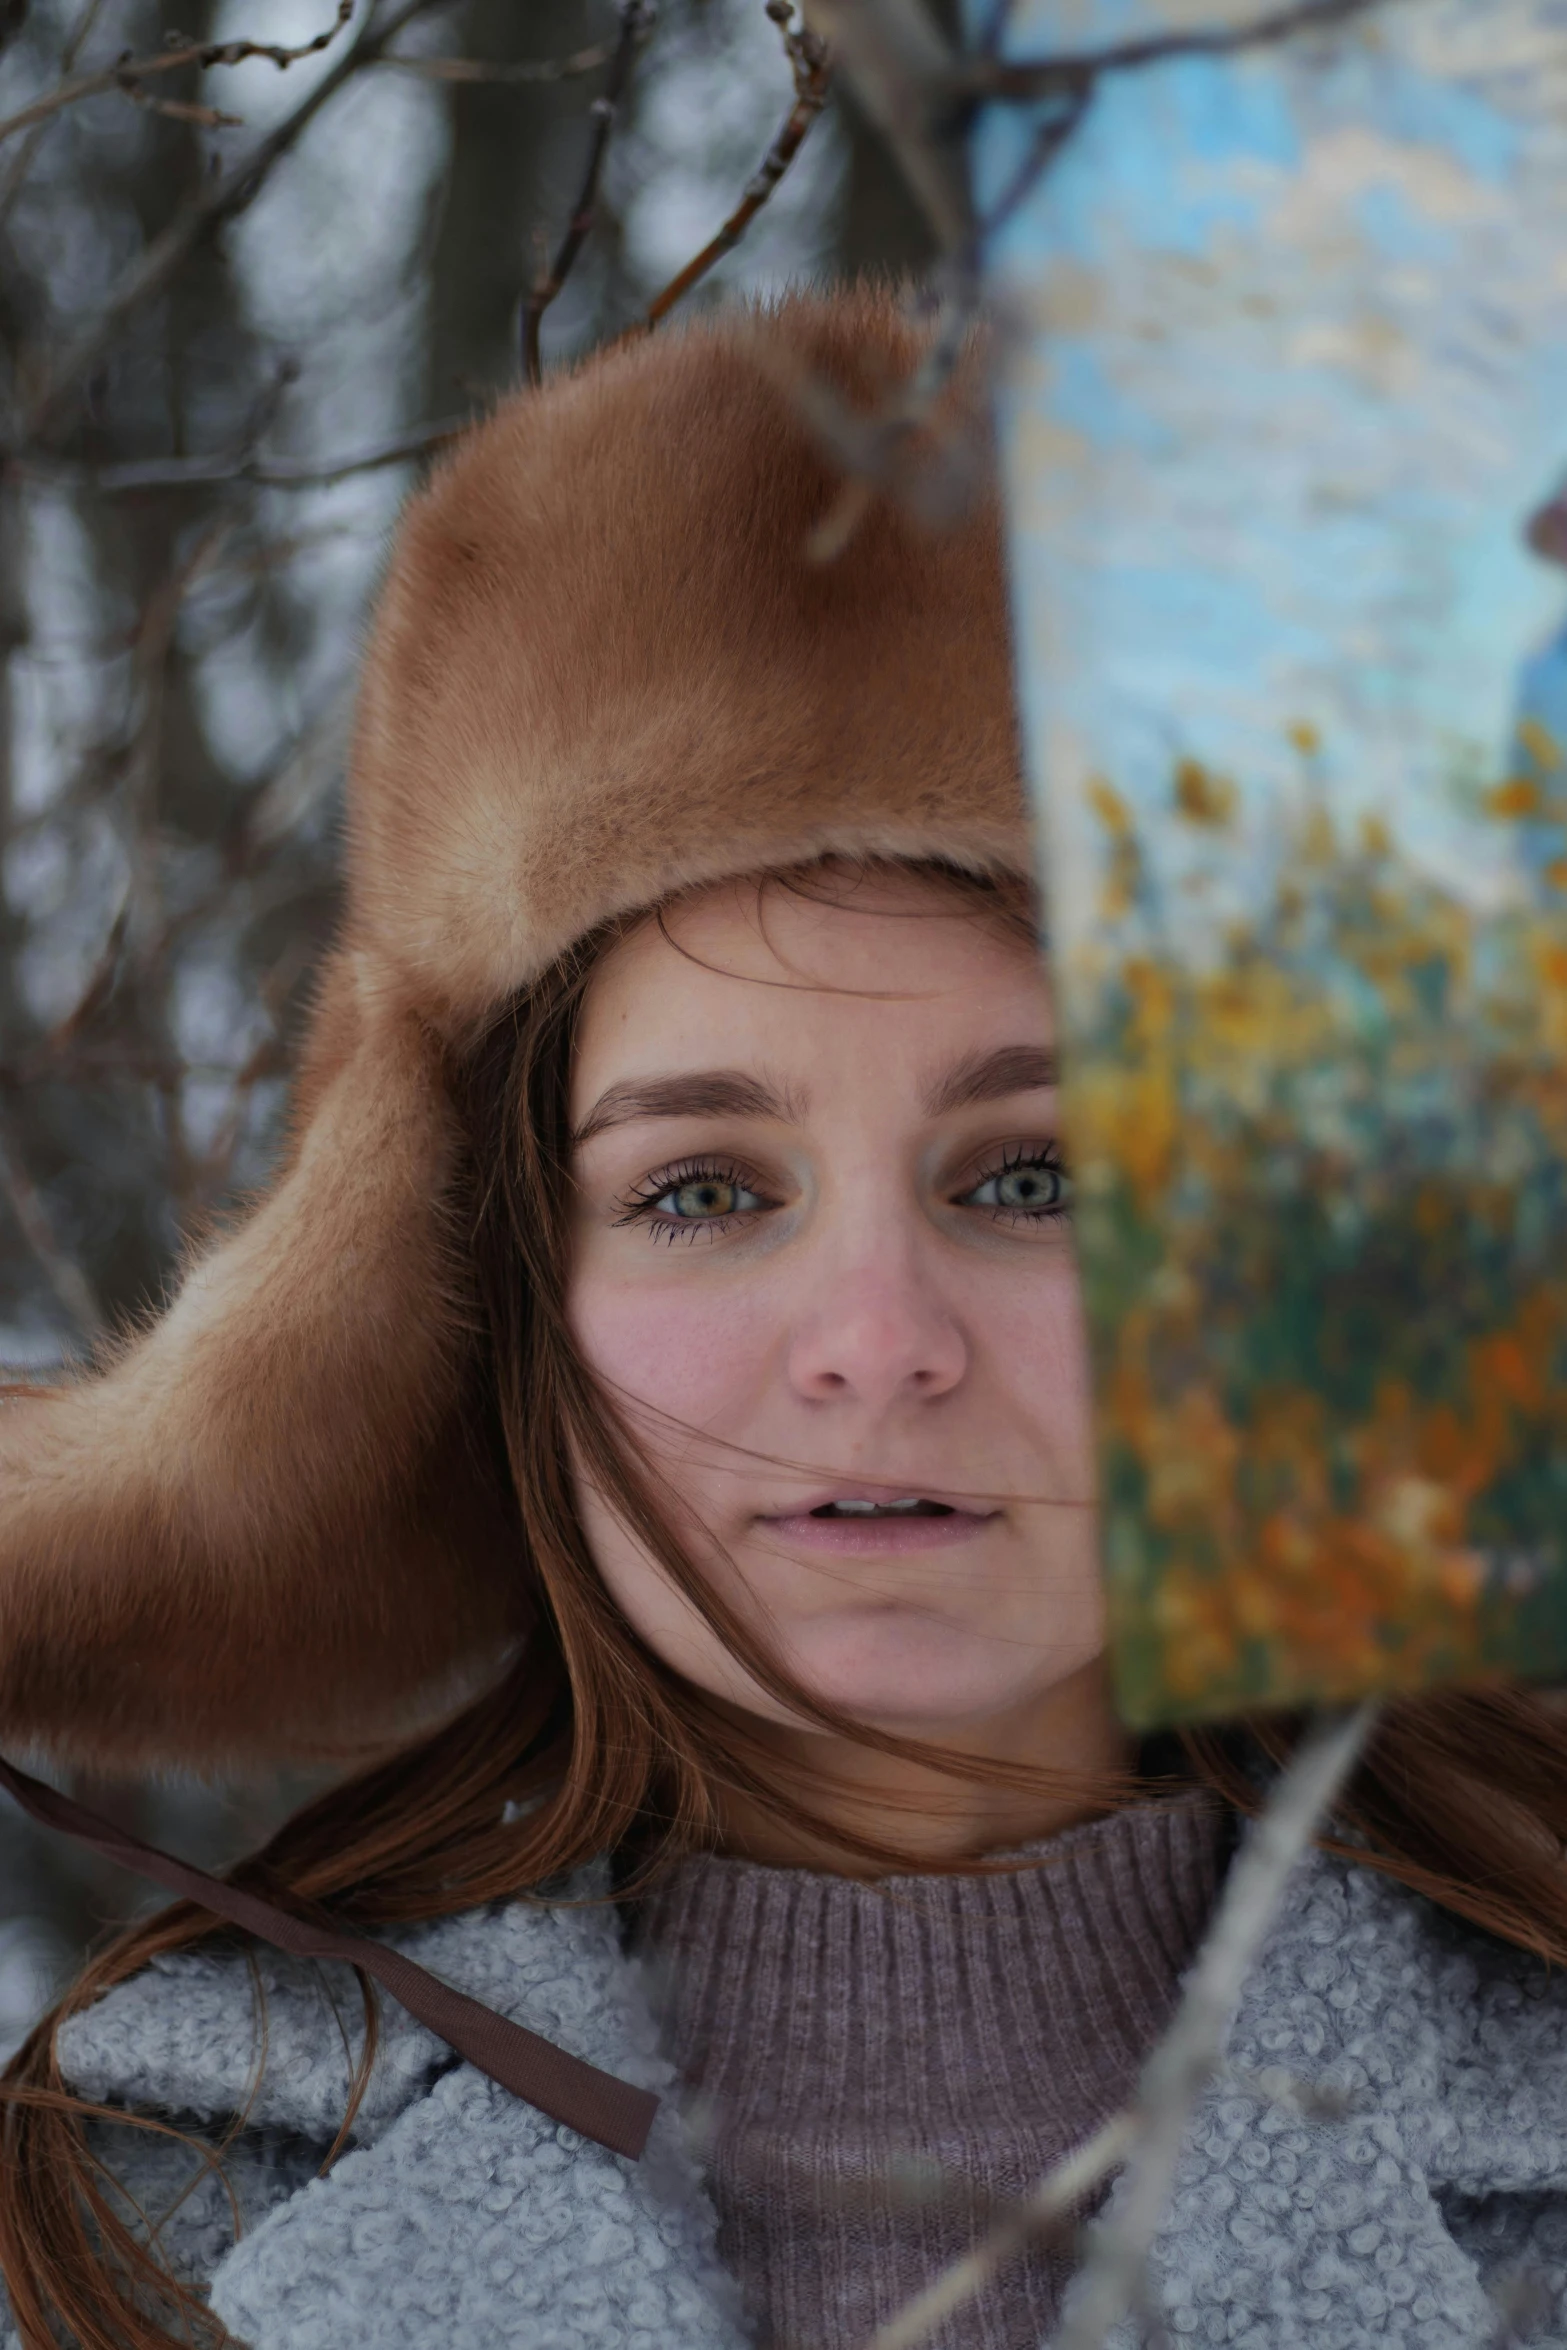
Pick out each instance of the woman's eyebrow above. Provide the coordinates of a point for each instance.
(703, 1093)
(987, 1077)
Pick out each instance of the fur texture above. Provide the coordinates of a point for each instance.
(1419, 2195)
(603, 669)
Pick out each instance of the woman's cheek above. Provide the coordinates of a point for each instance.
(1037, 1337)
(700, 1357)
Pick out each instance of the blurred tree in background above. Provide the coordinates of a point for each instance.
(242, 299)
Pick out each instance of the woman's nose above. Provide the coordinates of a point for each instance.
(876, 1334)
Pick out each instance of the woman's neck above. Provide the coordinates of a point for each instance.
(1059, 1760)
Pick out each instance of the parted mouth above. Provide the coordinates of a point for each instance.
(877, 1524)
(914, 1506)
(870, 1503)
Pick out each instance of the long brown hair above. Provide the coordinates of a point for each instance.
(591, 1744)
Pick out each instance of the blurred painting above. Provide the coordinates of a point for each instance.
(1284, 423)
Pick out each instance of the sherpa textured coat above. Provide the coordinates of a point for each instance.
(1407, 2189)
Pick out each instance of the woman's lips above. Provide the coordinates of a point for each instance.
(865, 1537)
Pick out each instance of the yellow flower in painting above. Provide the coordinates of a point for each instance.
(1192, 1461)
(1414, 1511)
(1305, 737)
(1516, 797)
(1539, 742)
(1124, 868)
(1201, 796)
(1108, 805)
(1317, 1126)
(1462, 1577)
(1517, 1363)
(1318, 841)
(1130, 1118)
(1152, 991)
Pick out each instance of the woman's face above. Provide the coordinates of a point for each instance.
(821, 1258)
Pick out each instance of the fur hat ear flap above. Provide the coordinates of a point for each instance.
(278, 1524)
(268, 1530)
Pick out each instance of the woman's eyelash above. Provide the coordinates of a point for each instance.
(641, 1205)
(1030, 1181)
(1024, 1162)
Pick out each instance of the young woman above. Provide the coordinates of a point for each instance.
(642, 1440)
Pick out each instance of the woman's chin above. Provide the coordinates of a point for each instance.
(920, 1676)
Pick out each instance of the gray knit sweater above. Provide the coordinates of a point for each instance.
(1424, 2208)
(874, 2067)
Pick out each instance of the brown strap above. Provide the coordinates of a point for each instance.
(609, 2111)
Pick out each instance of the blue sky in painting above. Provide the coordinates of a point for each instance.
(1293, 378)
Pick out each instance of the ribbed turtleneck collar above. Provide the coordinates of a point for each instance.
(873, 2066)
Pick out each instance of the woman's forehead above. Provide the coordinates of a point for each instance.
(826, 930)
(772, 972)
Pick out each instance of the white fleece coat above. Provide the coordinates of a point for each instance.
(1420, 2204)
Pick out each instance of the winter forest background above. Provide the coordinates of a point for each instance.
(226, 346)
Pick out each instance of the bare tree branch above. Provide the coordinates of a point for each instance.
(64, 1276)
(1190, 2052)
(1055, 2198)
(901, 69)
(214, 203)
(239, 465)
(923, 98)
(901, 448)
(1040, 77)
(636, 22)
(808, 56)
(527, 71)
(1148, 2136)
(143, 766)
(129, 74)
(1061, 112)
(81, 33)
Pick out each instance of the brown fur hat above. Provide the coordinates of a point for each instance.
(604, 669)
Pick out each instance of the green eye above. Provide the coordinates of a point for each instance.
(678, 1203)
(1029, 1187)
(706, 1197)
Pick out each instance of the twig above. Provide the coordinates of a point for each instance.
(636, 22)
(301, 780)
(923, 98)
(95, 993)
(271, 473)
(128, 74)
(1055, 2197)
(21, 162)
(64, 1276)
(268, 1057)
(217, 201)
(1148, 2136)
(808, 57)
(527, 71)
(900, 67)
(1073, 94)
(280, 473)
(882, 451)
(205, 118)
(1040, 77)
(1192, 2048)
(149, 669)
